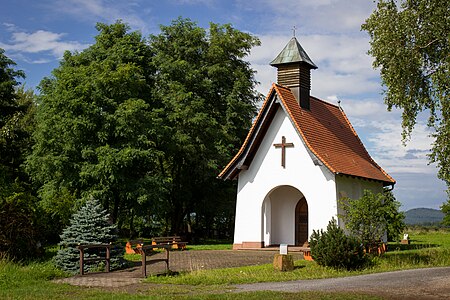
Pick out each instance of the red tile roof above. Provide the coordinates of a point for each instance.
(325, 130)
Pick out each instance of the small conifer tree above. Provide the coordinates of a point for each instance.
(90, 225)
(333, 248)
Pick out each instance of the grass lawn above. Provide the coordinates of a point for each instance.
(33, 280)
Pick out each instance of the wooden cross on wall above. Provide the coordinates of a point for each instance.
(283, 147)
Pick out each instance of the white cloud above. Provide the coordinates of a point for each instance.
(319, 16)
(344, 67)
(40, 41)
(109, 11)
(386, 146)
(366, 108)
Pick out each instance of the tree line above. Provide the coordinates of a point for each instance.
(145, 124)
(141, 124)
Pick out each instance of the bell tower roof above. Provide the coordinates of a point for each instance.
(293, 53)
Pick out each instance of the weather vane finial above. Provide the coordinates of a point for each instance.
(293, 30)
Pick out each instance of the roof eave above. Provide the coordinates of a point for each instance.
(239, 161)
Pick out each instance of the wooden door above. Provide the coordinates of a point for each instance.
(301, 222)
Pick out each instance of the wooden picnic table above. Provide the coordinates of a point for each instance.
(145, 248)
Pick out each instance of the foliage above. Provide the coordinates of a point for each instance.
(8, 83)
(394, 218)
(144, 126)
(21, 220)
(333, 248)
(411, 46)
(16, 107)
(94, 128)
(208, 100)
(20, 224)
(446, 210)
(373, 216)
(90, 225)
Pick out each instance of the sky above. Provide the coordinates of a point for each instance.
(35, 35)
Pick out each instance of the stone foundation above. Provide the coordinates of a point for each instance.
(248, 245)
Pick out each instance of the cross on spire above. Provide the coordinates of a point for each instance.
(293, 30)
(283, 147)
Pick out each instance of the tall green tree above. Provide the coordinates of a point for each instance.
(145, 126)
(21, 220)
(410, 42)
(95, 129)
(208, 94)
(10, 113)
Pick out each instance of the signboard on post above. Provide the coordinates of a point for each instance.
(283, 249)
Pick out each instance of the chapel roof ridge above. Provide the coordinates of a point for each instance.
(314, 97)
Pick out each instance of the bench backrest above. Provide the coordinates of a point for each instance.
(134, 242)
(166, 239)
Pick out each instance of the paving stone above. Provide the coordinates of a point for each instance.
(180, 261)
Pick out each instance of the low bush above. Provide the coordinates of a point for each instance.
(333, 248)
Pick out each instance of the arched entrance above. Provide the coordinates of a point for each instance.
(301, 222)
(284, 217)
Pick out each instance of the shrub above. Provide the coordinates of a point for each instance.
(90, 225)
(19, 231)
(333, 248)
(372, 217)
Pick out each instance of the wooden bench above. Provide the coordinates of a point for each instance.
(175, 241)
(107, 258)
(134, 246)
(144, 252)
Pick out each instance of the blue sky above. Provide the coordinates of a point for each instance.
(35, 34)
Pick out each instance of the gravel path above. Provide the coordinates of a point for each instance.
(431, 283)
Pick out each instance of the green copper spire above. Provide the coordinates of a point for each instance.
(293, 53)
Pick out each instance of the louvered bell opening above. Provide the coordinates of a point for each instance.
(298, 78)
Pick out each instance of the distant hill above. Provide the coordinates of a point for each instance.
(423, 216)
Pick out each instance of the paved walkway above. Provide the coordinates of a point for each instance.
(430, 283)
(179, 261)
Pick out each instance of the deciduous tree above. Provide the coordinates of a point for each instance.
(410, 42)
(21, 220)
(373, 216)
(94, 134)
(145, 126)
(208, 96)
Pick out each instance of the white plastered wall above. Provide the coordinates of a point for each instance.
(265, 174)
(353, 188)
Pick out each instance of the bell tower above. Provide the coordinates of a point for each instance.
(294, 71)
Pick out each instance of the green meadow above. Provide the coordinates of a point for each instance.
(34, 280)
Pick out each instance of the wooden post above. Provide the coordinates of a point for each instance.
(81, 259)
(144, 260)
(108, 259)
(167, 257)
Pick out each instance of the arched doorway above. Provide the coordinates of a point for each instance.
(301, 222)
(279, 216)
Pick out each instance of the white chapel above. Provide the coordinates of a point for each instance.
(299, 158)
